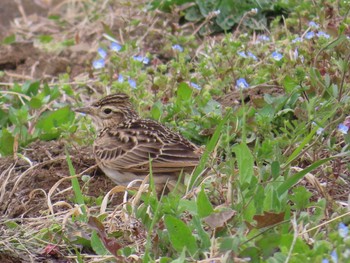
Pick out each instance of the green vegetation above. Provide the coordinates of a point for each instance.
(270, 148)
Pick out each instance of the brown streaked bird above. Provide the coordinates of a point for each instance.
(125, 143)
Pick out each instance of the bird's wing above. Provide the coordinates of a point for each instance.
(131, 146)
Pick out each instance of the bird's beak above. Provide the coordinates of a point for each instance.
(85, 110)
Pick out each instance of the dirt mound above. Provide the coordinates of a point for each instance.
(26, 183)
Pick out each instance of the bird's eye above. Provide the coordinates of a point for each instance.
(107, 111)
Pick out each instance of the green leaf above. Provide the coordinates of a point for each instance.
(300, 197)
(3, 118)
(207, 6)
(9, 40)
(51, 121)
(97, 244)
(292, 180)
(245, 162)
(6, 142)
(272, 202)
(202, 234)
(35, 103)
(79, 198)
(180, 235)
(290, 84)
(156, 111)
(204, 207)
(45, 38)
(184, 93)
(275, 169)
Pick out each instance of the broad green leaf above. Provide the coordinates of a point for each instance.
(207, 6)
(290, 84)
(35, 103)
(184, 93)
(45, 39)
(204, 207)
(245, 162)
(9, 40)
(272, 202)
(275, 169)
(300, 198)
(50, 122)
(6, 142)
(180, 235)
(156, 111)
(97, 244)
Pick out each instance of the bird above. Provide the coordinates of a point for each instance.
(128, 147)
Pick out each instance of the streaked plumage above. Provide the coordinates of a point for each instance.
(126, 143)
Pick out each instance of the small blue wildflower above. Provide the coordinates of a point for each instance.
(343, 128)
(98, 64)
(320, 131)
(115, 47)
(309, 35)
(102, 52)
(254, 11)
(295, 54)
(323, 34)
(138, 58)
(313, 24)
(263, 38)
(142, 59)
(242, 83)
(334, 256)
(242, 54)
(177, 48)
(325, 260)
(343, 230)
(297, 39)
(251, 55)
(195, 85)
(120, 78)
(145, 60)
(276, 56)
(132, 83)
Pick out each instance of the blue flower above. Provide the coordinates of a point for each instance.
(120, 78)
(334, 256)
(115, 47)
(251, 55)
(325, 260)
(320, 131)
(343, 128)
(263, 38)
(242, 83)
(102, 52)
(323, 34)
(132, 83)
(312, 24)
(142, 59)
(177, 48)
(309, 35)
(145, 60)
(242, 54)
(297, 39)
(276, 56)
(98, 64)
(295, 54)
(343, 230)
(195, 85)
